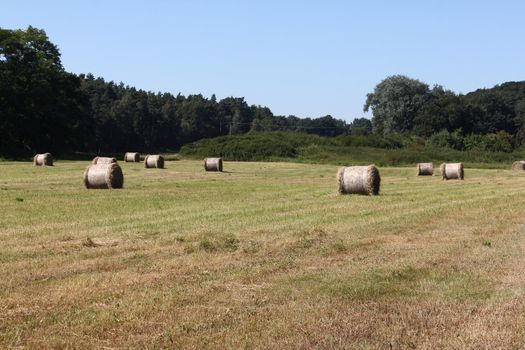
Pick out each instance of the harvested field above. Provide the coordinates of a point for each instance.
(266, 255)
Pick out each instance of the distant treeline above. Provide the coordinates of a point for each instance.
(126, 118)
(483, 119)
(45, 108)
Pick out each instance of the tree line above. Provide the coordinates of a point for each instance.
(126, 118)
(490, 119)
(45, 108)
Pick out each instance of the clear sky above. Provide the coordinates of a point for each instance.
(306, 58)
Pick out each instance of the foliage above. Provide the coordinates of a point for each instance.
(447, 139)
(494, 142)
(395, 102)
(361, 126)
(125, 118)
(392, 150)
(390, 141)
(404, 105)
(253, 146)
(41, 105)
(45, 108)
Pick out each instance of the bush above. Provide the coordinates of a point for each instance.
(447, 139)
(392, 141)
(498, 142)
(396, 150)
(253, 146)
(475, 142)
(278, 145)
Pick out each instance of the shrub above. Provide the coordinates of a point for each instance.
(444, 138)
(497, 142)
(253, 146)
(475, 142)
(347, 150)
(500, 142)
(391, 141)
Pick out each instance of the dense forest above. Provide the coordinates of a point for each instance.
(45, 108)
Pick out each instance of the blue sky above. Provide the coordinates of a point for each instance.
(306, 58)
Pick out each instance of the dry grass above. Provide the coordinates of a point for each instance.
(264, 256)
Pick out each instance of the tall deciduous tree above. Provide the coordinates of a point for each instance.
(41, 105)
(395, 103)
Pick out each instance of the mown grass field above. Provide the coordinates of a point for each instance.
(265, 255)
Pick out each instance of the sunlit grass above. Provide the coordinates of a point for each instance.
(263, 255)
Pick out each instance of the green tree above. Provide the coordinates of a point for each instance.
(361, 126)
(199, 118)
(443, 110)
(263, 119)
(497, 108)
(519, 121)
(41, 105)
(323, 126)
(236, 114)
(395, 103)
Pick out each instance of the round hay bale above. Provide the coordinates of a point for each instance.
(425, 169)
(452, 171)
(358, 180)
(132, 157)
(213, 164)
(104, 160)
(154, 161)
(43, 159)
(518, 165)
(103, 176)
